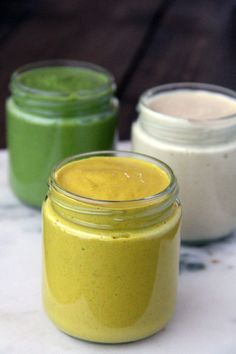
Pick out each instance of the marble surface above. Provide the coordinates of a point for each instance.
(205, 319)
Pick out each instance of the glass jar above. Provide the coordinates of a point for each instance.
(110, 268)
(56, 109)
(202, 154)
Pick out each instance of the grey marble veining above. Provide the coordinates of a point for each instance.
(205, 319)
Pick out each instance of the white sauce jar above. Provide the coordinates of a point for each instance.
(201, 151)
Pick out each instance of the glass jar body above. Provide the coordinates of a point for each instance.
(203, 159)
(109, 284)
(44, 129)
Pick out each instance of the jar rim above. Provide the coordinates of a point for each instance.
(109, 85)
(156, 90)
(171, 189)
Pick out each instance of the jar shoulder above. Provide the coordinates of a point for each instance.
(54, 221)
(145, 143)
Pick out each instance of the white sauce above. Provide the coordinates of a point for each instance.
(206, 172)
(194, 105)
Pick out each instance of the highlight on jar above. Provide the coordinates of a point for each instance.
(111, 225)
(56, 109)
(192, 127)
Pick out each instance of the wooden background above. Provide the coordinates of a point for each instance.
(144, 43)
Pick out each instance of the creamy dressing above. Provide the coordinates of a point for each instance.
(110, 270)
(55, 111)
(193, 104)
(109, 178)
(200, 147)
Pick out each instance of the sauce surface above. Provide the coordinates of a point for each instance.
(112, 178)
(193, 104)
(62, 79)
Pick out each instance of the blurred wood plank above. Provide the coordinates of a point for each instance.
(143, 43)
(196, 42)
(106, 33)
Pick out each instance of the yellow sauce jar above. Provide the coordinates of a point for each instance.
(111, 246)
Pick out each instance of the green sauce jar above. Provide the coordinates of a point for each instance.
(56, 109)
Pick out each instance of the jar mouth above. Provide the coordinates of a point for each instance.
(171, 189)
(194, 86)
(104, 88)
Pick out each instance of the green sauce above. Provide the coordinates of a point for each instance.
(55, 112)
(62, 80)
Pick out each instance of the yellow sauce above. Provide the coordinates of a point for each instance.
(112, 283)
(112, 178)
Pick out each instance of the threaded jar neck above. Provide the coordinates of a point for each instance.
(63, 88)
(178, 130)
(114, 215)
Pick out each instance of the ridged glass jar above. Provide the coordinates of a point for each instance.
(56, 109)
(110, 267)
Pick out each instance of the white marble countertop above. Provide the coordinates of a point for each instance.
(205, 319)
